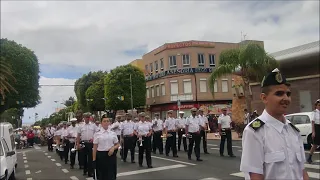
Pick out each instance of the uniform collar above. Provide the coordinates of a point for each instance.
(275, 123)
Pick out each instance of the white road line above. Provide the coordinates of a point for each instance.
(90, 178)
(150, 170)
(172, 160)
(215, 148)
(237, 147)
(58, 164)
(26, 166)
(65, 170)
(29, 178)
(24, 157)
(25, 161)
(28, 172)
(23, 154)
(239, 174)
(312, 166)
(74, 178)
(316, 161)
(212, 178)
(314, 175)
(53, 160)
(212, 145)
(46, 154)
(36, 146)
(49, 156)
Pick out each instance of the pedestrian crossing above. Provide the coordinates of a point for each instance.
(311, 168)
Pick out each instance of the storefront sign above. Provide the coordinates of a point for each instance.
(184, 44)
(179, 71)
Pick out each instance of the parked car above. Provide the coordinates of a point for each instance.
(303, 122)
(8, 156)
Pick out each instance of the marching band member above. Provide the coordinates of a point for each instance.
(144, 131)
(224, 122)
(157, 126)
(79, 116)
(181, 123)
(135, 138)
(50, 135)
(171, 128)
(193, 125)
(127, 132)
(203, 132)
(72, 135)
(115, 127)
(58, 140)
(104, 156)
(85, 133)
(65, 142)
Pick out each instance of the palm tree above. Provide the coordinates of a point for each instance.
(6, 79)
(250, 62)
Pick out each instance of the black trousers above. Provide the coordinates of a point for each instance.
(184, 139)
(204, 140)
(106, 166)
(30, 141)
(72, 154)
(87, 158)
(128, 144)
(66, 151)
(196, 138)
(50, 142)
(171, 143)
(229, 142)
(157, 142)
(146, 147)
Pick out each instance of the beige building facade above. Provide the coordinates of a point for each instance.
(177, 77)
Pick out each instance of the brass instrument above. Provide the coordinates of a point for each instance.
(74, 149)
(140, 140)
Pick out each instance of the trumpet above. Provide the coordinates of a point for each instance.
(74, 149)
(61, 147)
(140, 140)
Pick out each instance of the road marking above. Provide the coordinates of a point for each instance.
(150, 170)
(65, 170)
(58, 164)
(74, 178)
(90, 178)
(53, 160)
(316, 161)
(26, 166)
(23, 154)
(215, 148)
(314, 175)
(36, 146)
(28, 172)
(29, 178)
(49, 156)
(239, 174)
(46, 154)
(38, 172)
(24, 158)
(312, 166)
(237, 147)
(212, 145)
(212, 178)
(25, 161)
(181, 162)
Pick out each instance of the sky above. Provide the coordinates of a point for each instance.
(71, 38)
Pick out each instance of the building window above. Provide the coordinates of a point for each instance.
(212, 60)
(156, 66)
(158, 90)
(161, 64)
(187, 88)
(185, 60)
(203, 85)
(174, 87)
(163, 90)
(152, 92)
(224, 84)
(172, 62)
(201, 59)
(215, 86)
(151, 67)
(146, 68)
(148, 93)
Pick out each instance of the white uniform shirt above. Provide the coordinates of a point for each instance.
(246, 118)
(72, 132)
(316, 116)
(127, 127)
(116, 127)
(171, 124)
(181, 123)
(274, 150)
(58, 132)
(50, 132)
(159, 126)
(87, 131)
(64, 132)
(105, 139)
(143, 128)
(203, 120)
(225, 121)
(193, 124)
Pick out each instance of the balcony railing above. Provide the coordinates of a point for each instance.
(183, 97)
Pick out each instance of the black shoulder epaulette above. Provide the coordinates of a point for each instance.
(256, 124)
(294, 127)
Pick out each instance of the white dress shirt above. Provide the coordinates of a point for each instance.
(316, 116)
(127, 127)
(275, 150)
(158, 126)
(72, 132)
(225, 121)
(50, 132)
(193, 124)
(64, 132)
(171, 124)
(143, 128)
(116, 127)
(87, 131)
(203, 120)
(181, 123)
(105, 139)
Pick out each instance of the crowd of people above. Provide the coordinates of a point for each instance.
(27, 137)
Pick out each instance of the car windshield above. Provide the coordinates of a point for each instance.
(300, 119)
(1, 150)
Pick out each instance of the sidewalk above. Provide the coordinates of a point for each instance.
(215, 136)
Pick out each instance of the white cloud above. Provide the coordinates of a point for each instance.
(49, 94)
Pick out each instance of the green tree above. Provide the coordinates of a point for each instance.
(70, 101)
(5, 78)
(12, 116)
(83, 83)
(250, 61)
(117, 84)
(25, 69)
(96, 94)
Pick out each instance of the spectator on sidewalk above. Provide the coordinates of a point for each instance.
(30, 138)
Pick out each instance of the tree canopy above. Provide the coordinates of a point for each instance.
(25, 69)
(117, 84)
(95, 94)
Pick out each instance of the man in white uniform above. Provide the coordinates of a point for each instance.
(224, 123)
(272, 146)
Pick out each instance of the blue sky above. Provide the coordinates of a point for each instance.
(71, 38)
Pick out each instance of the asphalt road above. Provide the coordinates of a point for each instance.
(38, 164)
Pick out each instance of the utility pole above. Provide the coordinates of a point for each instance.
(131, 94)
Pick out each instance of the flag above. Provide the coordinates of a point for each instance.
(121, 98)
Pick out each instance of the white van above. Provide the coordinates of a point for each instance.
(8, 156)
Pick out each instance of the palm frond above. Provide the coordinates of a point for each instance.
(218, 72)
(6, 76)
(229, 56)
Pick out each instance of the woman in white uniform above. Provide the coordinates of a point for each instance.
(105, 142)
(315, 123)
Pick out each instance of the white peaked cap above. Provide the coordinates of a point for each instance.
(181, 112)
(276, 70)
